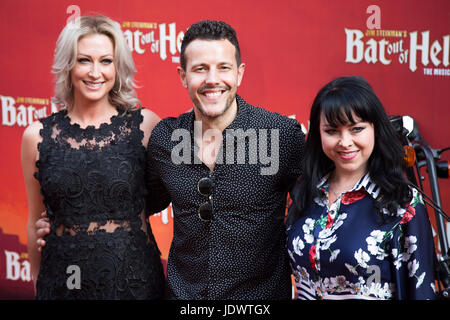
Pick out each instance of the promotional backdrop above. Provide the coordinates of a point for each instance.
(291, 49)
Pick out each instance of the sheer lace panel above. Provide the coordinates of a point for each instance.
(110, 226)
(91, 138)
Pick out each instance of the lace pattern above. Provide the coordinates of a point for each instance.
(92, 180)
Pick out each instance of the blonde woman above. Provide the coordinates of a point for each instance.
(85, 166)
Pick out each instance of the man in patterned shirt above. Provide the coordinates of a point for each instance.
(226, 166)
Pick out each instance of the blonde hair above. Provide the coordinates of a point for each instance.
(123, 93)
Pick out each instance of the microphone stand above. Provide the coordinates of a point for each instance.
(423, 150)
(427, 156)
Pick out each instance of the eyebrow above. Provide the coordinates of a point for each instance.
(201, 64)
(204, 64)
(102, 56)
(351, 124)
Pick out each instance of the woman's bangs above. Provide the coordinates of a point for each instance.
(338, 111)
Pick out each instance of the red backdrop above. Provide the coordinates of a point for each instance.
(291, 49)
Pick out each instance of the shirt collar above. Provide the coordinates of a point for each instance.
(365, 182)
(241, 119)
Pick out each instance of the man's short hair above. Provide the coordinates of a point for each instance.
(209, 30)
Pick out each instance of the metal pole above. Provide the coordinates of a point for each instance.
(435, 194)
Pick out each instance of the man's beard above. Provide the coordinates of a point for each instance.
(228, 102)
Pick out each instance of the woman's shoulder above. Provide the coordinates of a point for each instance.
(416, 197)
(149, 118)
(414, 209)
(149, 115)
(32, 136)
(33, 130)
(149, 121)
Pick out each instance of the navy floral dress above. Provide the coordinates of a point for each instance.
(346, 251)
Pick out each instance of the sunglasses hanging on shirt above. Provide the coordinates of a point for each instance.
(205, 186)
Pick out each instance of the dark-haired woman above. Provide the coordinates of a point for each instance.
(356, 229)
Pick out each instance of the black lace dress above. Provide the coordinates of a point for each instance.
(100, 245)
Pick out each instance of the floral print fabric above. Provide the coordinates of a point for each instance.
(346, 251)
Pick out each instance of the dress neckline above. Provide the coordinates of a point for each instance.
(112, 120)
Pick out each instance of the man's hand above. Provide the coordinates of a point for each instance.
(42, 229)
